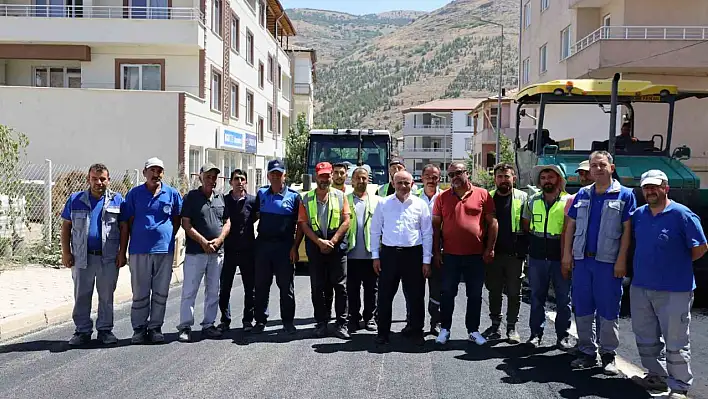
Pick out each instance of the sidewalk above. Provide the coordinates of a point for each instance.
(35, 297)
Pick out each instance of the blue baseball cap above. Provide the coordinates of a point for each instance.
(276, 165)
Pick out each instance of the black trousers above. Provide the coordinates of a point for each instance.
(360, 272)
(401, 264)
(246, 261)
(273, 259)
(327, 272)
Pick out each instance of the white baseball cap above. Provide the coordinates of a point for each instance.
(654, 177)
(154, 161)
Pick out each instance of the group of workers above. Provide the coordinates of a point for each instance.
(402, 235)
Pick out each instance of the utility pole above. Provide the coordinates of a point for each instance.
(501, 78)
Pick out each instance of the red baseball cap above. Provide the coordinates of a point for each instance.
(323, 167)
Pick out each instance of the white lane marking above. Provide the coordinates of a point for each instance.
(381, 369)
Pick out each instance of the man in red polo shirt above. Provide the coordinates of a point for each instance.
(465, 215)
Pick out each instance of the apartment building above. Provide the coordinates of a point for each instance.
(660, 41)
(435, 132)
(305, 77)
(118, 81)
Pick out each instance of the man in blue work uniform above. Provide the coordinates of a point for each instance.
(93, 246)
(277, 246)
(152, 213)
(598, 235)
(669, 238)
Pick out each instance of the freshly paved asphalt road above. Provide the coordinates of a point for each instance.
(274, 365)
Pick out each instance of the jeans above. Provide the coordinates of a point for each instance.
(505, 270)
(328, 271)
(472, 268)
(245, 261)
(541, 273)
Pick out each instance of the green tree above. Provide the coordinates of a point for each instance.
(484, 178)
(296, 149)
(12, 147)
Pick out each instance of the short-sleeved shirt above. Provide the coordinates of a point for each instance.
(505, 238)
(206, 215)
(278, 214)
(596, 203)
(463, 220)
(93, 240)
(243, 218)
(662, 256)
(152, 229)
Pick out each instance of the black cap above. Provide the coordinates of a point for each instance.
(276, 165)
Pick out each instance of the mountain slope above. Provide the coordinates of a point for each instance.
(377, 65)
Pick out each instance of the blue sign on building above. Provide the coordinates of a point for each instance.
(251, 143)
(233, 139)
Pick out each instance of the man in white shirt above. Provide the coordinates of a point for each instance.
(401, 249)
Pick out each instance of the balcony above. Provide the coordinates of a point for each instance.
(587, 3)
(426, 130)
(426, 152)
(93, 25)
(304, 89)
(652, 47)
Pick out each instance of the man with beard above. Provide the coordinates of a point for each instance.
(324, 219)
(394, 166)
(339, 176)
(152, 213)
(93, 245)
(585, 179)
(206, 223)
(597, 242)
(401, 244)
(669, 239)
(463, 216)
(543, 219)
(509, 254)
(360, 269)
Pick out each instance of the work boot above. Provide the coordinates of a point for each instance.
(224, 327)
(258, 329)
(155, 335)
(247, 326)
(609, 367)
(512, 336)
(107, 338)
(138, 338)
(535, 341)
(340, 331)
(492, 333)
(584, 361)
(651, 382)
(79, 339)
(185, 335)
(381, 340)
(321, 330)
(211, 332)
(370, 325)
(289, 328)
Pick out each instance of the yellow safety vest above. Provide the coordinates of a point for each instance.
(383, 190)
(334, 210)
(516, 204)
(367, 221)
(547, 222)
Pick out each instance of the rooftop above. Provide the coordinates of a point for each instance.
(449, 104)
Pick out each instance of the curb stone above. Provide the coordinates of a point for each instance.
(28, 322)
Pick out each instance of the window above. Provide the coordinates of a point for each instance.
(261, 13)
(280, 77)
(139, 9)
(57, 77)
(469, 121)
(261, 72)
(270, 68)
(259, 177)
(544, 5)
(527, 14)
(565, 43)
(234, 100)
(493, 117)
(235, 33)
(259, 129)
(141, 77)
(526, 71)
(270, 118)
(280, 124)
(195, 161)
(215, 90)
(252, 5)
(542, 59)
(216, 17)
(249, 47)
(249, 107)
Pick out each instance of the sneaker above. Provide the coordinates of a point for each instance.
(258, 328)
(651, 382)
(565, 343)
(321, 330)
(79, 339)
(584, 362)
(247, 326)
(138, 337)
(512, 336)
(492, 332)
(535, 341)
(443, 337)
(155, 335)
(477, 338)
(381, 340)
(678, 395)
(341, 332)
(107, 338)
(370, 325)
(609, 367)
(223, 327)
(290, 328)
(353, 326)
(211, 332)
(185, 335)
(434, 329)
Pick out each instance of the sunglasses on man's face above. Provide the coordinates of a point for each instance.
(456, 173)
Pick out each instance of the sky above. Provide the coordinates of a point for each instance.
(366, 6)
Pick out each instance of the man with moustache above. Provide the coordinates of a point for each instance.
(585, 179)
(324, 219)
(206, 223)
(152, 214)
(669, 239)
(509, 254)
(93, 245)
(339, 176)
(401, 244)
(543, 218)
(597, 240)
(239, 251)
(360, 271)
(465, 225)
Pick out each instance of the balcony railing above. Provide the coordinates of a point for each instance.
(427, 126)
(303, 88)
(426, 149)
(130, 12)
(640, 33)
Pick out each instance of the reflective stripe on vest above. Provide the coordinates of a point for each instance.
(547, 222)
(516, 202)
(353, 224)
(334, 210)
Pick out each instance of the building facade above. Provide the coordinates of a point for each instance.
(654, 40)
(119, 81)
